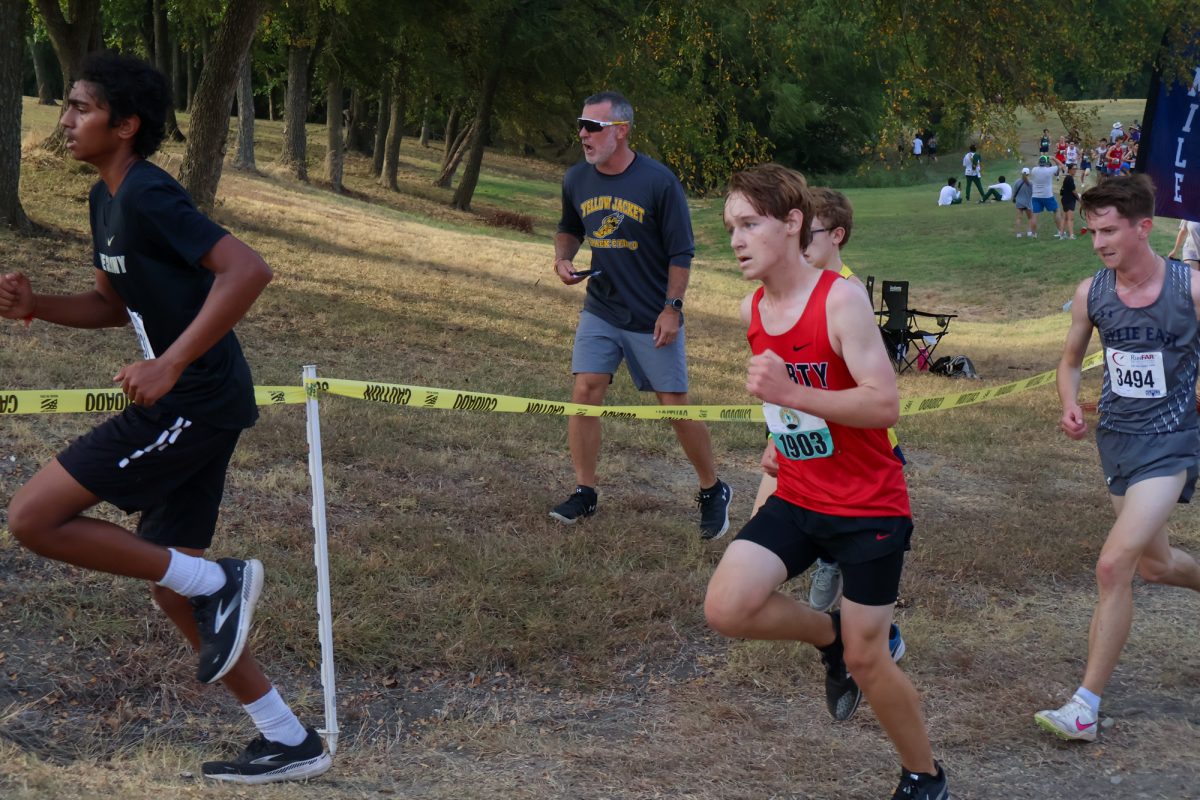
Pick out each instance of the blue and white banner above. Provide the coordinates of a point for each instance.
(1170, 148)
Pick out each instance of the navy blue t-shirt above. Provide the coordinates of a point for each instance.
(149, 240)
(637, 225)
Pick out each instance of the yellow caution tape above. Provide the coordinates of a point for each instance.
(923, 405)
(427, 397)
(75, 401)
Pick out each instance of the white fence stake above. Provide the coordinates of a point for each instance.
(316, 473)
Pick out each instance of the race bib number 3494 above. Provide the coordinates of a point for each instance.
(1137, 375)
(798, 436)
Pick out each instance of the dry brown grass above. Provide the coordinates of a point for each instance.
(483, 651)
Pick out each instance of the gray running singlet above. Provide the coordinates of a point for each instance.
(1150, 355)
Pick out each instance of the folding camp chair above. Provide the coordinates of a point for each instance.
(910, 336)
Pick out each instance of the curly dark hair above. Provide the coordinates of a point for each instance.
(131, 88)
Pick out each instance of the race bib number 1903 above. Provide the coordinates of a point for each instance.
(798, 436)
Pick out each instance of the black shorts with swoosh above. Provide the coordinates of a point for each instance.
(870, 550)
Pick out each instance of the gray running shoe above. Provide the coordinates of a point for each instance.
(826, 586)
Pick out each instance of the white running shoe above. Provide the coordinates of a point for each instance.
(1074, 721)
(1020, 235)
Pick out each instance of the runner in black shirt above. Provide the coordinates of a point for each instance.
(183, 282)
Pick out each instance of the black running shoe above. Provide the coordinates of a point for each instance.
(842, 694)
(581, 503)
(922, 787)
(267, 762)
(224, 617)
(714, 510)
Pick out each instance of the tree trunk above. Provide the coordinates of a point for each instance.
(381, 127)
(12, 43)
(334, 156)
(71, 40)
(192, 75)
(483, 120)
(178, 76)
(391, 156)
(245, 105)
(452, 124)
(425, 123)
(42, 73)
(460, 149)
(162, 61)
(356, 135)
(271, 104)
(205, 154)
(295, 112)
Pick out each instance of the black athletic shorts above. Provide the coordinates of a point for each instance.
(1068, 203)
(869, 550)
(169, 468)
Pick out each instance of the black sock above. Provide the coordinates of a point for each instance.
(585, 489)
(712, 488)
(835, 647)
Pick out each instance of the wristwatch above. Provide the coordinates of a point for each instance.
(675, 303)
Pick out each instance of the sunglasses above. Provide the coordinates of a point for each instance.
(595, 125)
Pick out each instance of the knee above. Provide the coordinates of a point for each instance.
(865, 659)
(726, 613)
(1113, 572)
(24, 523)
(588, 391)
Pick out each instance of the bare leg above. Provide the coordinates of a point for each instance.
(1140, 527)
(888, 690)
(693, 436)
(583, 433)
(742, 600)
(45, 516)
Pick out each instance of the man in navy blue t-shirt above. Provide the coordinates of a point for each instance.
(633, 214)
(183, 282)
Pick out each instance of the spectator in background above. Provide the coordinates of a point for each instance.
(1069, 195)
(1023, 198)
(1116, 132)
(917, 145)
(1114, 157)
(1042, 177)
(931, 147)
(950, 196)
(1001, 191)
(972, 169)
(1085, 164)
(1188, 239)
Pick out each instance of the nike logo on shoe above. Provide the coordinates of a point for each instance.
(1080, 726)
(224, 613)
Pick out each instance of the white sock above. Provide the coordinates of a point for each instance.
(191, 576)
(1092, 700)
(275, 721)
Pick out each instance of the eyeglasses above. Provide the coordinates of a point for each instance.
(815, 231)
(596, 125)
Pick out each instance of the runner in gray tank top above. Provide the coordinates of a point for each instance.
(1151, 355)
(1145, 308)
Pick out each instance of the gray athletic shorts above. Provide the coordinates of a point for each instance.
(599, 348)
(1128, 458)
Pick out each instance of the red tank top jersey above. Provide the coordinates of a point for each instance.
(861, 476)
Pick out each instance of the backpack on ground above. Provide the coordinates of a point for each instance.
(954, 367)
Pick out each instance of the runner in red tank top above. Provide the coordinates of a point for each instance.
(829, 394)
